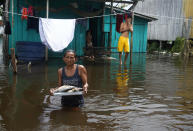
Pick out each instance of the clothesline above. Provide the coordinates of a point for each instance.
(89, 17)
(98, 16)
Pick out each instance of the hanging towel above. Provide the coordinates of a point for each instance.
(56, 34)
(32, 22)
(126, 15)
(30, 11)
(7, 28)
(24, 13)
(119, 20)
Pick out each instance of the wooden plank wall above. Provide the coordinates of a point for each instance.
(188, 12)
(58, 10)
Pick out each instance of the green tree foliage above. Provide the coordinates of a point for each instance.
(178, 45)
(153, 47)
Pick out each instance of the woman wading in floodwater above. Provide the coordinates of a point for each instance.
(74, 75)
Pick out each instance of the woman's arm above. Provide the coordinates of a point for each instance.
(83, 75)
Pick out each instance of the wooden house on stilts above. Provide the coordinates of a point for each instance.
(174, 19)
(27, 40)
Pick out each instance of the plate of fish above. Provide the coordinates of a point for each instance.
(66, 90)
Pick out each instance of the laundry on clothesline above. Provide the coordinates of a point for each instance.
(32, 22)
(24, 14)
(7, 29)
(56, 34)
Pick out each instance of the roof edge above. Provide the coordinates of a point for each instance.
(149, 18)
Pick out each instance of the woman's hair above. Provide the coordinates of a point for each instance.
(69, 50)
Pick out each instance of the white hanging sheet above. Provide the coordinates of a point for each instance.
(56, 34)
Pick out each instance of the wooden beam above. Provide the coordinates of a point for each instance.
(103, 24)
(13, 61)
(6, 36)
(133, 6)
(131, 47)
(110, 33)
(115, 1)
(47, 15)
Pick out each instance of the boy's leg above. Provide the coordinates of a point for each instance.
(120, 60)
(126, 56)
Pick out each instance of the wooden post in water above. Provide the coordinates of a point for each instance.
(5, 36)
(47, 15)
(131, 45)
(132, 9)
(103, 33)
(13, 60)
(110, 33)
(160, 45)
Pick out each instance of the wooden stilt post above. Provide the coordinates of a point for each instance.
(13, 60)
(131, 45)
(160, 45)
(47, 15)
(132, 9)
(5, 36)
(103, 33)
(110, 33)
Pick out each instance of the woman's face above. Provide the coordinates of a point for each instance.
(69, 58)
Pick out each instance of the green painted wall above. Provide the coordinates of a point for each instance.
(19, 26)
(61, 10)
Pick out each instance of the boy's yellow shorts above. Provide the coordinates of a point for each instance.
(123, 43)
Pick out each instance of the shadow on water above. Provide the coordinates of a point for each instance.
(154, 93)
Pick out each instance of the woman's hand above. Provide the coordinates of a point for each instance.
(85, 88)
(83, 75)
(52, 90)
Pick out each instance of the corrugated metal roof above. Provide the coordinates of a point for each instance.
(149, 18)
(145, 16)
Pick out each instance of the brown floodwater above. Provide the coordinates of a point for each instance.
(154, 93)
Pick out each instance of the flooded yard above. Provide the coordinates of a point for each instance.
(154, 93)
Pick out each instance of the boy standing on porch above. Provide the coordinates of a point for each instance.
(123, 42)
(89, 45)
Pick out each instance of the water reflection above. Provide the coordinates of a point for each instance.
(154, 93)
(6, 94)
(185, 85)
(122, 78)
(68, 116)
